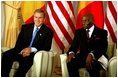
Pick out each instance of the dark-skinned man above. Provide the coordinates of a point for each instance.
(89, 44)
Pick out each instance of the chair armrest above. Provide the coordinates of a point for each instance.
(43, 63)
(63, 58)
(82, 71)
(112, 67)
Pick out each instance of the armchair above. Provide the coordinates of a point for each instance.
(111, 68)
(42, 66)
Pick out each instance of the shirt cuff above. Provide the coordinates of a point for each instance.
(92, 55)
(20, 52)
(33, 49)
(71, 52)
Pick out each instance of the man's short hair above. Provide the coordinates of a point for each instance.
(40, 11)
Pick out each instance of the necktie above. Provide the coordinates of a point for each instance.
(87, 33)
(34, 34)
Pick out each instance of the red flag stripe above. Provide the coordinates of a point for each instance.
(110, 29)
(66, 15)
(57, 39)
(70, 11)
(60, 25)
(71, 6)
(113, 11)
(111, 19)
(61, 20)
(60, 35)
(56, 29)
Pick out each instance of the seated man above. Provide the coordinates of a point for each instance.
(90, 42)
(32, 38)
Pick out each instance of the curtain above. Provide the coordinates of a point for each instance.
(12, 22)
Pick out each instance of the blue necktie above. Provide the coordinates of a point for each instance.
(34, 34)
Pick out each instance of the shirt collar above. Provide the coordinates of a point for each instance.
(36, 26)
(91, 28)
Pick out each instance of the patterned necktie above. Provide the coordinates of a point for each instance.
(87, 33)
(34, 34)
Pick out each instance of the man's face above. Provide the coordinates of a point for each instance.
(85, 22)
(38, 18)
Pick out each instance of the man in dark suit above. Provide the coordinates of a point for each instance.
(32, 38)
(87, 47)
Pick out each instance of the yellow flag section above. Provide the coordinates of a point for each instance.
(94, 7)
(28, 8)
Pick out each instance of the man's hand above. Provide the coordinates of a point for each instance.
(89, 62)
(71, 55)
(26, 52)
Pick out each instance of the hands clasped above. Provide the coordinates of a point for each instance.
(26, 52)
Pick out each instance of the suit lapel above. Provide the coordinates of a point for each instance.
(94, 34)
(83, 36)
(29, 31)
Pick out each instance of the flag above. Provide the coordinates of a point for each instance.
(94, 7)
(60, 15)
(111, 20)
(28, 8)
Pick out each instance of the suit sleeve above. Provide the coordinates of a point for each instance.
(19, 43)
(102, 46)
(75, 44)
(48, 40)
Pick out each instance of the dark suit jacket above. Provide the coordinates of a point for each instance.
(42, 40)
(97, 45)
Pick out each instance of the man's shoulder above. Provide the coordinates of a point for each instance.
(31, 25)
(46, 27)
(80, 30)
(100, 29)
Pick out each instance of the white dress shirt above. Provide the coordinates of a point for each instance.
(91, 30)
(90, 33)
